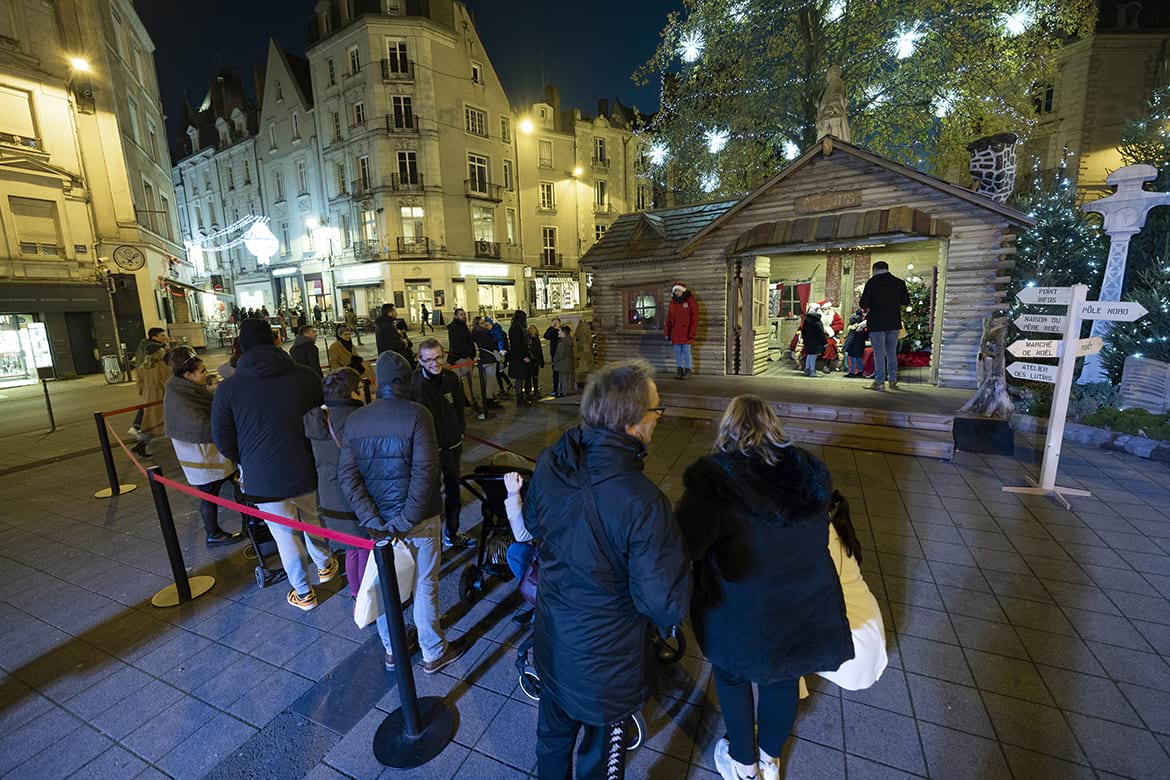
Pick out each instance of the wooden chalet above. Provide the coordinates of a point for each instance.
(810, 233)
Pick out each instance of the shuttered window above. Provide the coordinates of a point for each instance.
(16, 113)
(37, 226)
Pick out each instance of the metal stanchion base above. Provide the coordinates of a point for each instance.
(393, 747)
(122, 490)
(169, 596)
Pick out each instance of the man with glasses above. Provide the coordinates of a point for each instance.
(612, 565)
(440, 392)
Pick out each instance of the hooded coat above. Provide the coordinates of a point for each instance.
(682, 319)
(884, 296)
(387, 335)
(326, 453)
(257, 420)
(812, 334)
(768, 604)
(459, 343)
(605, 578)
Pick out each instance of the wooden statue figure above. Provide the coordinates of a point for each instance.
(991, 395)
(832, 111)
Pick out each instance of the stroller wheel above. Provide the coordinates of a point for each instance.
(250, 553)
(672, 647)
(469, 583)
(635, 731)
(261, 577)
(530, 684)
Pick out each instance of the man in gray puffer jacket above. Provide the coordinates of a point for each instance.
(388, 470)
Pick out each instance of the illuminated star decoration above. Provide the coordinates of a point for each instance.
(1017, 23)
(690, 47)
(709, 182)
(658, 154)
(791, 150)
(835, 10)
(738, 11)
(716, 139)
(905, 40)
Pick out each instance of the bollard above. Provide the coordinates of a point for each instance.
(49, 407)
(115, 488)
(419, 729)
(185, 588)
(366, 389)
(483, 415)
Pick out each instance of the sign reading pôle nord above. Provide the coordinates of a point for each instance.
(1117, 311)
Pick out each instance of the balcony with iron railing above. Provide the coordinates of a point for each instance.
(550, 258)
(397, 69)
(360, 187)
(600, 163)
(482, 189)
(406, 182)
(23, 141)
(413, 245)
(489, 249)
(602, 208)
(365, 250)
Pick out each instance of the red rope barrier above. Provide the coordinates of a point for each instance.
(129, 454)
(131, 409)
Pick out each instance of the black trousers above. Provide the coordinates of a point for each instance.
(601, 756)
(452, 504)
(777, 712)
(209, 512)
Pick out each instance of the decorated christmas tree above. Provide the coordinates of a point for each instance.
(1147, 140)
(916, 317)
(1149, 337)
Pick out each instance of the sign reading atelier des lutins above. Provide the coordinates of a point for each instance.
(827, 201)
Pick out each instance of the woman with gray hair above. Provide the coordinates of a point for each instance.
(767, 606)
(611, 565)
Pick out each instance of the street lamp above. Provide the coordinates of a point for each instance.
(79, 64)
(526, 126)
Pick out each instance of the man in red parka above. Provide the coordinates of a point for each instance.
(681, 323)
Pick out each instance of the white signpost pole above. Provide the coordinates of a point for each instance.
(1056, 419)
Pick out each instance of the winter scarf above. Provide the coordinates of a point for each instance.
(187, 411)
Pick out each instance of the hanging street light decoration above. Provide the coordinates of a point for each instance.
(260, 241)
(905, 40)
(690, 48)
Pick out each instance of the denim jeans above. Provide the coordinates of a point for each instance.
(519, 556)
(682, 356)
(810, 364)
(288, 541)
(423, 542)
(855, 364)
(885, 352)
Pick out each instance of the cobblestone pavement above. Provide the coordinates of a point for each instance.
(1025, 640)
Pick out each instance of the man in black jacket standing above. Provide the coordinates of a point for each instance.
(304, 350)
(388, 470)
(257, 420)
(883, 298)
(486, 351)
(386, 331)
(439, 392)
(612, 565)
(461, 354)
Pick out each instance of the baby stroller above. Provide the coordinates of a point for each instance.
(261, 545)
(487, 485)
(669, 645)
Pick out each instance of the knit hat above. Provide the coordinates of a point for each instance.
(255, 332)
(392, 369)
(342, 328)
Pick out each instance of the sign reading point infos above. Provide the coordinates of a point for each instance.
(1046, 296)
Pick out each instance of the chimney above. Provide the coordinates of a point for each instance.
(603, 107)
(552, 96)
(993, 165)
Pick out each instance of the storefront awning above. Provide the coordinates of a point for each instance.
(866, 226)
(177, 283)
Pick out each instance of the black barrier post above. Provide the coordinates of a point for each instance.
(419, 729)
(483, 396)
(366, 389)
(49, 407)
(184, 589)
(115, 488)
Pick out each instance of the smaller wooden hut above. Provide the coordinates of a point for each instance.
(810, 233)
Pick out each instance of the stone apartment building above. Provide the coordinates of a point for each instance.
(1102, 81)
(86, 205)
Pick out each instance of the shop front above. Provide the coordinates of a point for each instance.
(496, 288)
(363, 288)
(320, 296)
(289, 288)
(556, 291)
(194, 316)
(78, 323)
(16, 355)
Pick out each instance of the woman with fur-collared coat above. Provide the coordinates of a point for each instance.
(767, 604)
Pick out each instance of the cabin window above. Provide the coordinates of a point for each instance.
(644, 308)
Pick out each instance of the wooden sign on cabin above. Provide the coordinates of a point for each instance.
(1145, 384)
(827, 201)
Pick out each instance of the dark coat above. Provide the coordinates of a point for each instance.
(813, 335)
(257, 420)
(485, 344)
(388, 468)
(387, 335)
(326, 452)
(855, 338)
(304, 351)
(443, 398)
(562, 361)
(553, 337)
(518, 338)
(460, 346)
(537, 350)
(603, 580)
(768, 604)
(884, 296)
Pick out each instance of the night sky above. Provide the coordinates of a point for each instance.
(589, 52)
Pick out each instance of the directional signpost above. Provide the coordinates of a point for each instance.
(1068, 348)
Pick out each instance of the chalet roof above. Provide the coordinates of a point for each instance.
(838, 146)
(650, 235)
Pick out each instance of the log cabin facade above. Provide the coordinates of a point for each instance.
(814, 229)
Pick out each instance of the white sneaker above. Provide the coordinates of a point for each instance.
(727, 767)
(769, 767)
(132, 431)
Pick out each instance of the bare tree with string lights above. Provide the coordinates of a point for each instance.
(742, 80)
